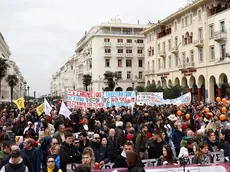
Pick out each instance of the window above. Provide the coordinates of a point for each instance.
(119, 75)
(170, 62)
(159, 48)
(169, 42)
(159, 64)
(128, 74)
(176, 41)
(200, 50)
(199, 15)
(223, 50)
(186, 21)
(163, 46)
(200, 33)
(71, 67)
(140, 76)
(182, 22)
(149, 52)
(211, 31)
(119, 63)
(128, 63)
(222, 26)
(140, 63)
(129, 51)
(183, 58)
(192, 55)
(148, 66)
(107, 50)
(191, 18)
(120, 51)
(176, 60)
(164, 63)
(153, 52)
(120, 40)
(129, 41)
(106, 40)
(175, 26)
(153, 65)
(90, 64)
(107, 62)
(139, 51)
(212, 52)
(140, 41)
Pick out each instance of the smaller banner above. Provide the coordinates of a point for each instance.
(146, 98)
(20, 103)
(40, 109)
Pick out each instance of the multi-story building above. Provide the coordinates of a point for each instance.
(115, 47)
(191, 48)
(12, 70)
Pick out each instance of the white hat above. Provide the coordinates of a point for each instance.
(172, 117)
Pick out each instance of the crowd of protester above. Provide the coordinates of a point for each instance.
(123, 136)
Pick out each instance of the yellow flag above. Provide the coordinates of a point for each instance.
(20, 103)
(40, 109)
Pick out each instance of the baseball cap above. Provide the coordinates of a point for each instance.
(15, 154)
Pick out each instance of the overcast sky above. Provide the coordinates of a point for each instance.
(42, 34)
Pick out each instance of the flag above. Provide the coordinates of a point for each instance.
(20, 103)
(40, 109)
(48, 108)
(64, 110)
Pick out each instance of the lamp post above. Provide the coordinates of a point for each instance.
(28, 89)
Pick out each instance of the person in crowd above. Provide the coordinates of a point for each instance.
(60, 134)
(8, 131)
(33, 154)
(76, 143)
(187, 149)
(15, 163)
(30, 117)
(213, 144)
(177, 136)
(54, 143)
(120, 161)
(50, 165)
(68, 152)
(156, 145)
(141, 141)
(113, 145)
(101, 154)
(133, 162)
(119, 134)
(5, 148)
(131, 135)
(104, 142)
(84, 141)
(20, 126)
(202, 156)
(88, 158)
(167, 156)
(224, 145)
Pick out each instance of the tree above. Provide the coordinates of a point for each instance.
(87, 80)
(140, 88)
(3, 69)
(153, 88)
(110, 79)
(12, 81)
(173, 92)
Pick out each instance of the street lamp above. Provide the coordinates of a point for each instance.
(25, 88)
(28, 89)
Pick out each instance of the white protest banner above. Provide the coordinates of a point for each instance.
(90, 135)
(146, 98)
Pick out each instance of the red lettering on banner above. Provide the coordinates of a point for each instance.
(90, 105)
(133, 99)
(70, 93)
(98, 94)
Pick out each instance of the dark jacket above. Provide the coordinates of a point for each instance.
(177, 137)
(140, 143)
(213, 146)
(35, 157)
(82, 147)
(15, 167)
(120, 162)
(155, 149)
(100, 152)
(226, 147)
(137, 168)
(69, 154)
(113, 148)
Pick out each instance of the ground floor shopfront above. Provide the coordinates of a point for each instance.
(205, 84)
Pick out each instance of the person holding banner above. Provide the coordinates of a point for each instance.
(133, 162)
(202, 156)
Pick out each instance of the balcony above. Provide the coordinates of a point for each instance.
(162, 54)
(140, 45)
(140, 80)
(149, 72)
(220, 36)
(107, 55)
(190, 64)
(120, 55)
(181, 66)
(175, 50)
(107, 44)
(120, 44)
(199, 43)
(128, 44)
(129, 55)
(140, 55)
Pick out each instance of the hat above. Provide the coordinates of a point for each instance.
(15, 154)
(172, 117)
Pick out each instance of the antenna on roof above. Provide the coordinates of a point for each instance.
(138, 21)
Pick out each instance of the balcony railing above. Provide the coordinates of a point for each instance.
(120, 55)
(129, 55)
(107, 55)
(175, 50)
(128, 44)
(198, 43)
(140, 55)
(140, 45)
(162, 53)
(107, 44)
(120, 44)
(118, 33)
(220, 36)
(190, 64)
